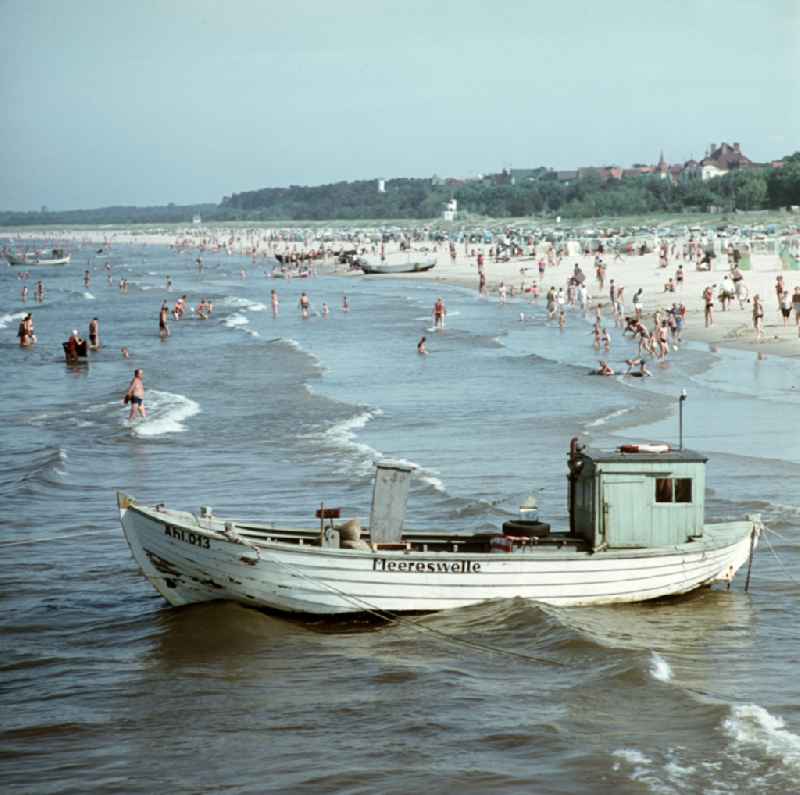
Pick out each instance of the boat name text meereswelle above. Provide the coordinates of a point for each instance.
(418, 567)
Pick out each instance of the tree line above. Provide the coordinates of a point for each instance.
(745, 189)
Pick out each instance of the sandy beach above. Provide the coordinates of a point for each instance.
(733, 328)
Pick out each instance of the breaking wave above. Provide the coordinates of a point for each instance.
(166, 412)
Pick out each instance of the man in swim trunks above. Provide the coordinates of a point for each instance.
(94, 333)
(439, 313)
(135, 394)
(163, 328)
(304, 304)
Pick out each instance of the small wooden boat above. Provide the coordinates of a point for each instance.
(636, 532)
(375, 266)
(57, 257)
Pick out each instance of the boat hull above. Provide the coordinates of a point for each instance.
(192, 560)
(388, 268)
(35, 261)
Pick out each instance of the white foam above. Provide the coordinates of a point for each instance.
(632, 756)
(88, 296)
(752, 725)
(244, 303)
(603, 420)
(6, 319)
(235, 320)
(166, 412)
(342, 436)
(422, 474)
(298, 347)
(660, 668)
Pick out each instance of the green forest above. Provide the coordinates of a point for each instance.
(494, 197)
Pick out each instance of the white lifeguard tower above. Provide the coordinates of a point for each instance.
(450, 210)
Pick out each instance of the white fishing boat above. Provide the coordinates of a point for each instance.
(636, 532)
(58, 256)
(400, 264)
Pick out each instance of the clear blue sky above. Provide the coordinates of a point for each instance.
(110, 102)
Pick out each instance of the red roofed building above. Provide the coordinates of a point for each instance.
(719, 161)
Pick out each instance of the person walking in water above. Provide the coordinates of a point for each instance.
(275, 303)
(94, 333)
(304, 304)
(439, 313)
(135, 394)
(163, 315)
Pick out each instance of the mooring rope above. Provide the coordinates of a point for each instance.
(780, 562)
(50, 538)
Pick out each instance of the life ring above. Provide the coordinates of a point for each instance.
(645, 448)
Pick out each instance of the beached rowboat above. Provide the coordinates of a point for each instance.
(635, 533)
(373, 266)
(57, 257)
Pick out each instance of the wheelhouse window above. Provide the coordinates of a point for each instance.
(673, 490)
(683, 489)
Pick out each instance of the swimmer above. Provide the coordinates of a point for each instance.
(421, 349)
(604, 368)
(126, 354)
(345, 304)
(325, 310)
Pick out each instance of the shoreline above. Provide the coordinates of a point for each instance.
(731, 329)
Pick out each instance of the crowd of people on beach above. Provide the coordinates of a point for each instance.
(656, 334)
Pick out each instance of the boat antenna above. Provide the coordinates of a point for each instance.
(681, 401)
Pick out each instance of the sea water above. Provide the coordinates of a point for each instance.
(106, 689)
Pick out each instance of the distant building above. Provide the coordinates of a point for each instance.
(450, 210)
(603, 173)
(520, 175)
(662, 169)
(566, 176)
(381, 186)
(719, 160)
(197, 220)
